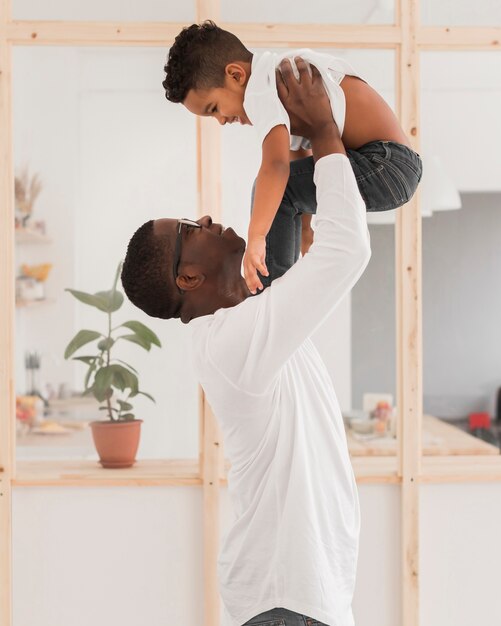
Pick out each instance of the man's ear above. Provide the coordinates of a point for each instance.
(236, 72)
(190, 280)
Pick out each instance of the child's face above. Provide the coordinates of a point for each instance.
(226, 104)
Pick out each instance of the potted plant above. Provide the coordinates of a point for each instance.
(110, 380)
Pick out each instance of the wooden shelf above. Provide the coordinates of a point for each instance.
(152, 472)
(33, 303)
(29, 235)
(169, 472)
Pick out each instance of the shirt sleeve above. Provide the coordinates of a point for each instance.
(258, 336)
(261, 103)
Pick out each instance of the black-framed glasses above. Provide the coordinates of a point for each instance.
(177, 250)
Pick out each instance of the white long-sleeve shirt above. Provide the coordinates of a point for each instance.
(294, 541)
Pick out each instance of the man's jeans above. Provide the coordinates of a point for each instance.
(387, 175)
(282, 617)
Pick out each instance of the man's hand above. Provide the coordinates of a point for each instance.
(308, 106)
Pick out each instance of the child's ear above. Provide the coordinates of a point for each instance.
(236, 72)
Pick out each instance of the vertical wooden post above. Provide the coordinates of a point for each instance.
(209, 180)
(212, 450)
(7, 295)
(409, 321)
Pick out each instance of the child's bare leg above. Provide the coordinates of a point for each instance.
(306, 233)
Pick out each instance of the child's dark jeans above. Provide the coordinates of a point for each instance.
(282, 617)
(387, 174)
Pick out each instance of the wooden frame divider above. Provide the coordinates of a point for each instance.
(409, 326)
(407, 38)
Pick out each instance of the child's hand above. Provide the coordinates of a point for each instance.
(254, 260)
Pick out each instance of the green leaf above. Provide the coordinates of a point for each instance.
(129, 366)
(124, 406)
(113, 300)
(80, 339)
(117, 275)
(143, 331)
(127, 417)
(122, 378)
(105, 408)
(85, 359)
(132, 382)
(136, 339)
(102, 383)
(143, 393)
(95, 300)
(106, 344)
(91, 369)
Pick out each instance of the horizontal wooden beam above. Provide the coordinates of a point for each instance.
(92, 33)
(168, 472)
(461, 469)
(316, 35)
(163, 34)
(459, 38)
(257, 35)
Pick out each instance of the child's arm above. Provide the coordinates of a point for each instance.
(270, 186)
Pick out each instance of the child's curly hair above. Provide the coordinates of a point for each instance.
(198, 59)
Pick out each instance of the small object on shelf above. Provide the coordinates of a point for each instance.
(29, 409)
(30, 235)
(362, 426)
(480, 426)
(32, 362)
(30, 285)
(382, 415)
(38, 272)
(26, 190)
(29, 289)
(51, 428)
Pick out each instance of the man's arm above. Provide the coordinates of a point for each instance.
(308, 107)
(278, 321)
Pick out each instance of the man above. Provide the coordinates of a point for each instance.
(291, 552)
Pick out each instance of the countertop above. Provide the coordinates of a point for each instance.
(440, 438)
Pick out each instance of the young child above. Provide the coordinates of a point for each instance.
(213, 74)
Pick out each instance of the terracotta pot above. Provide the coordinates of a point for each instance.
(116, 442)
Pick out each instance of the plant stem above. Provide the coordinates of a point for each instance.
(108, 358)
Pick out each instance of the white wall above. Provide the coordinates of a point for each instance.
(112, 153)
(126, 555)
(133, 556)
(460, 554)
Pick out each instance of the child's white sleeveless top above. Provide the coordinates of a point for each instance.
(262, 104)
